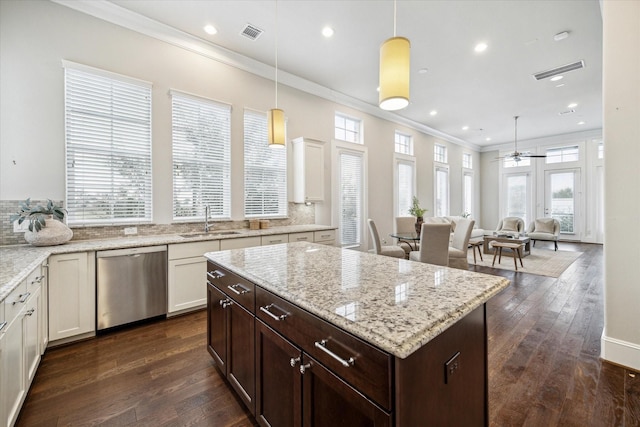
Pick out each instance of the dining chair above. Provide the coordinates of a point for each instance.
(387, 250)
(406, 224)
(434, 244)
(459, 246)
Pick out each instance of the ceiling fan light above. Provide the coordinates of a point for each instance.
(395, 61)
(275, 123)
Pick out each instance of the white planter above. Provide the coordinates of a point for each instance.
(55, 233)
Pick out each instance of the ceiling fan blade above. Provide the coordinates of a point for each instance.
(533, 155)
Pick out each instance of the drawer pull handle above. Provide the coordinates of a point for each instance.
(300, 239)
(30, 312)
(3, 324)
(237, 292)
(225, 302)
(215, 274)
(322, 346)
(22, 298)
(275, 241)
(273, 316)
(294, 361)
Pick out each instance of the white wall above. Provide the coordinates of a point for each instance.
(621, 335)
(35, 36)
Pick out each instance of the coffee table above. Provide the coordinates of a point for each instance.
(525, 241)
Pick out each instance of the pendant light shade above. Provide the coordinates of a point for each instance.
(275, 122)
(395, 61)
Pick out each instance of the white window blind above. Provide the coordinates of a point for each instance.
(265, 171)
(405, 185)
(441, 191)
(201, 134)
(467, 193)
(351, 188)
(108, 147)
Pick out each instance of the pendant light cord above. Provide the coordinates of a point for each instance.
(516, 133)
(276, 53)
(394, 18)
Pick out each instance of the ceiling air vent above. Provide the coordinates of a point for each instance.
(251, 32)
(560, 70)
(562, 113)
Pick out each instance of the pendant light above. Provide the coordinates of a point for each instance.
(275, 119)
(395, 58)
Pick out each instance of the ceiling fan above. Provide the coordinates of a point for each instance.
(516, 155)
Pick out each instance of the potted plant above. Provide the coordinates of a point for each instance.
(418, 212)
(45, 223)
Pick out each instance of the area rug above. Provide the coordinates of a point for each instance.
(541, 261)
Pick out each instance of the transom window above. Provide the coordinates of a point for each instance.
(600, 150)
(511, 163)
(108, 147)
(201, 135)
(403, 143)
(563, 154)
(348, 129)
(265, 170)
(440, 153)
(467, 161)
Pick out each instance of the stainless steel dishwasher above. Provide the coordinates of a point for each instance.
(131, 285)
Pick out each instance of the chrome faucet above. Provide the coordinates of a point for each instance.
(207, 209)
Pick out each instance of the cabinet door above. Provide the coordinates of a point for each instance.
(328, 401)
(241, 353)
(43, 328)
(185, 284)
(12, 378)
(31, 323)
(217, 326)
(72, 295)
(278, 379)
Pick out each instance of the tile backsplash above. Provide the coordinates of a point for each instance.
(299, 214)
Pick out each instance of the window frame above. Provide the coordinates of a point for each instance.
(398, 160)
(441, 167)
(406, 141)
(347, 118)
(440, 157)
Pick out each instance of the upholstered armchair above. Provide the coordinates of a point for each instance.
(544, 229)
(510, 224)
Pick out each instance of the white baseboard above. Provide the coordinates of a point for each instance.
(620, 352)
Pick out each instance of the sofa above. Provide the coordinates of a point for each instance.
(476, 233)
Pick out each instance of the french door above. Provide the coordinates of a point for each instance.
(561, 199)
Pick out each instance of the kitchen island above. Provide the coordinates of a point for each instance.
(322, 336)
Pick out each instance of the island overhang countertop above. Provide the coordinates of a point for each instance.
(395, 304)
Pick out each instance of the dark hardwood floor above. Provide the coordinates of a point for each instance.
(544, 366)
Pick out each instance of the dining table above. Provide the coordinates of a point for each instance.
(412, 239)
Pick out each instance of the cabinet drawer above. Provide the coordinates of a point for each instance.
(15, 301)
(275, 239)
(324, 236)
(301, 237)
(240, 242)
(370, 370)
(192, 249)
(34, 280)
(240, 290)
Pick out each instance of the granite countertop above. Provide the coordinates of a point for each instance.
(17, 261)
(394, 304)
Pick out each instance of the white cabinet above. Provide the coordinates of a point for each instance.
(240, 242)
(43, 327)
(72, 296)
(274, 239)
(325, 237)
(308, 170)
(187, 268)
(301, 237)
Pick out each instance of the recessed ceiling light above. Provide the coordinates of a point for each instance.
(560, 85)
(423, 70)
(561, 36)
(465, 127)
(433, 112)
(556, 78)
(480, 47)
(572, 105)
(580, 122)
(378, 89)
(210, 29)
(327, 32)
(487, 139)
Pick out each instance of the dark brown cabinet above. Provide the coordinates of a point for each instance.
(230, 339)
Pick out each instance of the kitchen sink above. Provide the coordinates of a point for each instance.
(210, 233)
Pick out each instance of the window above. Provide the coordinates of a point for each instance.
(347, 129)
(108, 147)
(563, 154)
(467, 193)
(467, 161)
(403, 143)
(405, 184)
(441, 191)
(201, 135)
(600, 150)
(440, 153)
(265, 170)
(510, 163)
(350, 194)
(517, 195)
